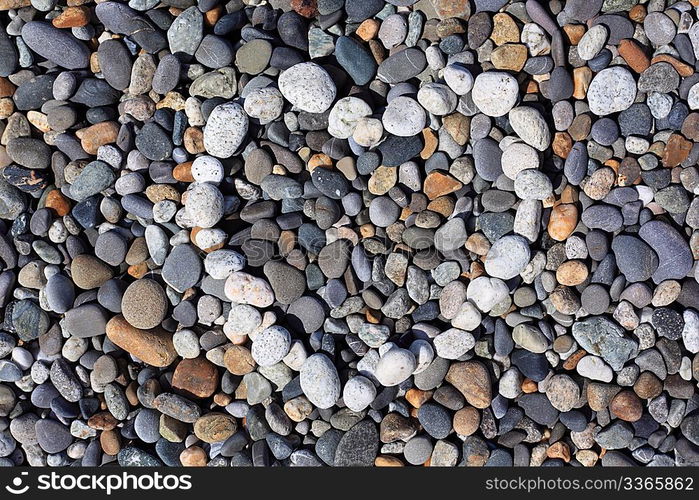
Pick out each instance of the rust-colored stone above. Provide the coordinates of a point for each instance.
(152, 346)
(388, 461)
(58, 202)
(417, 397)
(102, 421)
(305, 8)
(627, 406)
(429, 136)
(683, 69)
(439, 184)
(183, 172)
(574, 32)
(638, 13)
(559, 450)
(562, 144)
(572, 362)
(7, 89)
(110, 442)
(563, 220)
(472, 379)
(466, 421)
(197, 377)
(99, 134)
(676, 150)
(72, 17)
(368, 29)
(238, 360)
(634, 55)
(213, 15)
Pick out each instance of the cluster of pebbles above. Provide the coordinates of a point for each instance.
(349, 232)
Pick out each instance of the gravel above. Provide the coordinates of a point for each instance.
(350, 233)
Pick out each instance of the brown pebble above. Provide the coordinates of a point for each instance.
(627, 406)
(510, 56)
(571, 273)
(7, 89)
(559, 450)
(110, 442)
(562, 144)
(102, 421)
(429, 136)
(238, 360)
(193, 140)
(573, 359)
(72, 17)
(439, 184)
(647, 386)
(197, 377)
(634, 55)
(417, 397)
(305, 8)
(395, 427)
(472, 379)
(215, 427)
(563, 220)
(466, 421)
(89, 272)
(676, 151)
(58, 202)
(194, 456)
(388, 461)
(91, 138)
(183, 172)
(368, 29)
(150, 346)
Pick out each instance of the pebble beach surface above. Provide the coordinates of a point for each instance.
(349, 232)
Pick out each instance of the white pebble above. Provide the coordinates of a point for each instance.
(358, 393)
(395, 366)
(459, 79)
(225, 130)
(404, 117)
(454, 343)
(219, 264)
(344, 116)
(308, 87)
(271, 345)
(495, 93)
(207, 169)
(265, 104)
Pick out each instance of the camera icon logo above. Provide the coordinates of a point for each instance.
(16, 487)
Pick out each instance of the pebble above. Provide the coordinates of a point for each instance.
(611, 90)
(358, 393)
(472, 219)
(308, 87)
(495, 93)
(404, 117)
(225, 130)
(507, 257)
(320, 381)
